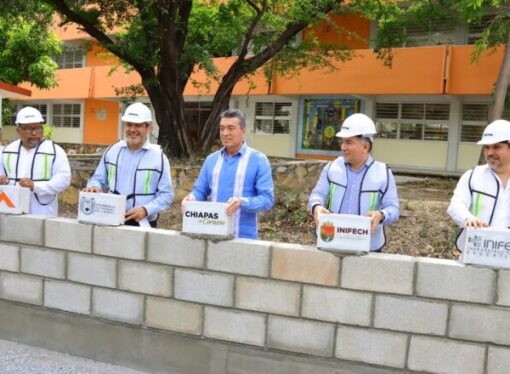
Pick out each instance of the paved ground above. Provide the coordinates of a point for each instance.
(22, 359)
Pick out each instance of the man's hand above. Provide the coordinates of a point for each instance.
(188, 197)
(4, 179)
(376, 217)
(475, 222)
(26, 182)
(94, 189)
(137, 213)
(233, 205)
(317, 211)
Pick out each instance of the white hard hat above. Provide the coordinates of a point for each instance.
(137, 113)
(29, 115)
(498, 131)
(357, 124)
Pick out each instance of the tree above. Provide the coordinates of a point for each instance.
(165, 40)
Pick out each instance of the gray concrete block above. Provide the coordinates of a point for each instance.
(379, 272)
(44, 262)
(122, 241)
(67, 296)
(436, 355)
(235, 326)
(241, 256)
(267, 296)
(498, 360)
(297, 335)
(9, 257)
(23, 288)
(118, 306)
(447, 279)
(326, 304)
(371, 346)
(204, 287)
(172, 248)
(503, 297)
(173, 315)
(93, 270)
(410, 315)
(145, 278)
(25, 229)
(69, 234)
(482, 324)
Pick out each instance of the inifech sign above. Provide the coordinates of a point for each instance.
(101, 208)
(203, 217)
(14, 200)
(488, 246)
(344, 233)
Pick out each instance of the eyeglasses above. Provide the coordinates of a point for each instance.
(32, 130)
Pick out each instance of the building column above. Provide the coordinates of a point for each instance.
(454, 131)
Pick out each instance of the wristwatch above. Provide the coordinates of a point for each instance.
(383, 217)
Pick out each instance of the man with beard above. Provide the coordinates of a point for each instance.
(482, 196)
(136, 168)
(237, 175)
(35, 163)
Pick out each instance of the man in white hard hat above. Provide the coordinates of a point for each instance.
(482, 195)
(356, 184)
(136, 168)
(35, 163)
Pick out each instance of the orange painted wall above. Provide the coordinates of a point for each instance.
(101, 131)
(351, 23)
(98, 56)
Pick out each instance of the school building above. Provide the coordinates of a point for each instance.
(430, 106)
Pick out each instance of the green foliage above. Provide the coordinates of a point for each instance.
(8, 111)
(48, 131)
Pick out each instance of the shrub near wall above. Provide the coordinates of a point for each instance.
(394, 311)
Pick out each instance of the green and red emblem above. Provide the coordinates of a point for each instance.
(327, 231)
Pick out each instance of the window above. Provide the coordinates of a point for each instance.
(43, 108)
(66, 115)
(433, 32)
(71, 58)
(415, 121)
(272, 118)
(475, 30)
(474, 120)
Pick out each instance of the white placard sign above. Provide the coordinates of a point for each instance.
(344, 233)
(101, 208)
(488, 246)
(207, 218)
(14, 199)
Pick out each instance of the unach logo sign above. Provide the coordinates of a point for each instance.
(5, 199)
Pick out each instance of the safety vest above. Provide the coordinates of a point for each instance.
(374, 184)
(147, 175)
(484, 188)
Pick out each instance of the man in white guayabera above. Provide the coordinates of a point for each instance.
(482, 196)
(237, 175)
(35, 163)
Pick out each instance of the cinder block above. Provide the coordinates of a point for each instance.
(9, 257)
(498, 360)
(447, 279)
(122, 241)
(503, 287)
(417, 316)
(59, 232)
(45, 262)
(235, 326)
(371, 346)
(349, 307)
(23, 288)
(144, 278)
(173, 315)
(204, 287)
(67, 296)
(379, 272)
(117, 306)
(25, 229)
(435, 355)
(267, 296)
(297, 335)
(482, 324)
(239, 256)
(169, 247)
(94, 270)
(304, 264)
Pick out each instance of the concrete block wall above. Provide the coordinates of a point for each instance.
(398, 312)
